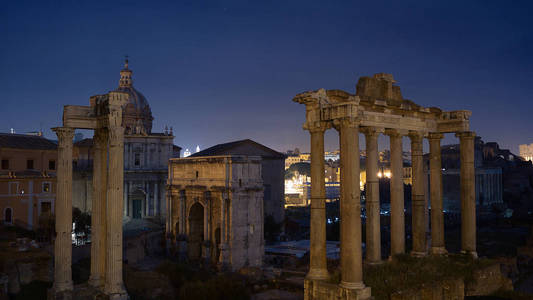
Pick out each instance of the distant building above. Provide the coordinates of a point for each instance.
(146, 156)
(272, 163)
(27, 179)
(526, 151)
(489, 183)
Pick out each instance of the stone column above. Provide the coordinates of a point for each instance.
(350, 207)
(468, 197)
(114, 286)
(318, 266)
(63, 212)
(397, 214)
(373, 230)
(147, 184)
(435, 173)
(98, 216)
(418, 198)
(156, 198)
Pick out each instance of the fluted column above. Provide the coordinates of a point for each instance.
(318, 265)
(350, 206)
(418, 198)
(98, 216)
(397, 214)
(373, 230)
(114, 285)
(435, 178)
(63, 212)
(468, 197)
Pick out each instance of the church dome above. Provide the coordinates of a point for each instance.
(137, 115)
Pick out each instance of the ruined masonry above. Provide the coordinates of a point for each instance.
(104, 116)
(376, 108)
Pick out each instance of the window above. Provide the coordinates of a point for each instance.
(46, 187)
(51, 165)
(8, 215)
(5, 164)
(29, 164)
(197, 174)
(46, 208)
(137, 159)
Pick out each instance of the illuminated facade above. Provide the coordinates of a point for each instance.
(526, 151)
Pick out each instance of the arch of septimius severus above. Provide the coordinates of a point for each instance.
(378, 108)
(104, 116)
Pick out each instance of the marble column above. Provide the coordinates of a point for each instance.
(63, 212)
(418, 200)
(147, 197)
(373, 230)
(435, 173)
(114, 285)
(350, 206)
(468, 197)
(318, 265)
(397, 214)
(98, 216)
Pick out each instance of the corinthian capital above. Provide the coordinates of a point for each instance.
(465, 135)
(319, 126)
(349, 122)
(64, 134)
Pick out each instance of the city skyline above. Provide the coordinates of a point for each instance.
(206, 69)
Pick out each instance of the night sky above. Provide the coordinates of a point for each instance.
(227, 70)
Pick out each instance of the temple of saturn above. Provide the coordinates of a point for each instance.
(378, 107)
(104, 116)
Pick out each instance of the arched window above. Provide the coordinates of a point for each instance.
(8, 215)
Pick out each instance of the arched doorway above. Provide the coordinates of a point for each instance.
(137, 204)
(8, 215)
(196, 231)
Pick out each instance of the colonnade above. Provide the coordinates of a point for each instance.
(351, 255)
(107, 206)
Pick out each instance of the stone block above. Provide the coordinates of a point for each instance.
(320, 290)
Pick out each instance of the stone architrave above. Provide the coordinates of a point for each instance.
(468, 193)
(63, 210)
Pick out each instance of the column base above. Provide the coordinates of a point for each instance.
(317, 274)
(96, 282)
(418, 254)
(52, 294)
(471, 253)
(223, 260)
(119, 296)
(438, 251)
(352, 285)
(373, 263)
(320, 290)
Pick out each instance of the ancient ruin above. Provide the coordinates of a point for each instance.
(378, 107)
(216, 210)
(104, 116)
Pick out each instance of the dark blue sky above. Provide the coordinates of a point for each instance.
(227, 70)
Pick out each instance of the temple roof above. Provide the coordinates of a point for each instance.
(242, 147)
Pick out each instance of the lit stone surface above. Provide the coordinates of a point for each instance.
(378, 106)
(104, 115)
